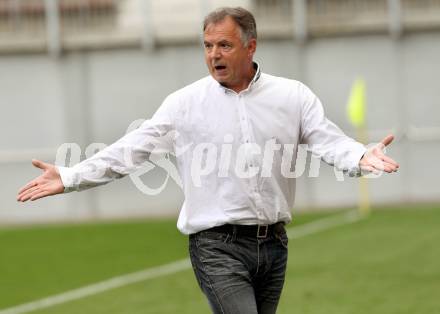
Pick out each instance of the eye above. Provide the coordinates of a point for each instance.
(226, 46)
(207, 45)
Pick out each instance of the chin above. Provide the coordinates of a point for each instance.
(220, 80)
(223, 83)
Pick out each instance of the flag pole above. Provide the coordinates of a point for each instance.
(364, 193)
(356, 114)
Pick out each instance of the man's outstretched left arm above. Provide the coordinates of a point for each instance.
(326, 140)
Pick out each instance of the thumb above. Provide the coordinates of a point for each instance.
(39, 164)
(387, 140)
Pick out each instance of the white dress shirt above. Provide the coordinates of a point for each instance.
(206, 119)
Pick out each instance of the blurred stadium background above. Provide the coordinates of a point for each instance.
(80, 71)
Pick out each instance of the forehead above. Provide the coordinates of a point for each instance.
(226, 29)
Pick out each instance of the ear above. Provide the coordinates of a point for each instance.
(252, 47)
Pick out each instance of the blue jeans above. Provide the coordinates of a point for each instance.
(239, 274)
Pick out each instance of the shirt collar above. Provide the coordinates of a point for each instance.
(257, 75)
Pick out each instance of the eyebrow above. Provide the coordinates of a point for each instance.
(223, 41)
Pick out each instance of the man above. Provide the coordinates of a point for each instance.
(234, 213)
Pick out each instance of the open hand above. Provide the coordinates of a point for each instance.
(49, 183)
(375, 159)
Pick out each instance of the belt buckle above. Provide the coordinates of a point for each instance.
(262, 231)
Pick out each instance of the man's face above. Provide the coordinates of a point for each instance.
(228, 60)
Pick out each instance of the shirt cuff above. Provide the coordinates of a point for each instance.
(67, 177)
(354, 169)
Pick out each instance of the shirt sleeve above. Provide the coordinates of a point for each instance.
(325, 139)
(128, 154)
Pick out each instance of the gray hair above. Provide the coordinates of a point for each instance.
(244, 19)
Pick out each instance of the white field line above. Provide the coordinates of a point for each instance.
(99, 287)
(167, 269)
(322, 224)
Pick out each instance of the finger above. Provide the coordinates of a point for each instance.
(387, 140)
(29, 190)
(387, 167)
(389, 161)
(379, 154)
(27, 186)
(371, 162)
(25, 198)
(390, 167)
(26, 195)
(39, 195)
(40, 164)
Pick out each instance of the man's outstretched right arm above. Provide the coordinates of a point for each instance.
(124, 156)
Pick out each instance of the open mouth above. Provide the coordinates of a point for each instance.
(220, 67)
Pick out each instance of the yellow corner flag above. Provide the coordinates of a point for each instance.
(356, 104)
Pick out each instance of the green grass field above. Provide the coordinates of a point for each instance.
(388, 263)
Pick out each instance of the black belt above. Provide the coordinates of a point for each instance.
(258, 231)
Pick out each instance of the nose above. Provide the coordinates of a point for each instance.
(215, 52)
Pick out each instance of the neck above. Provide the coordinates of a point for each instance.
(245, 81)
